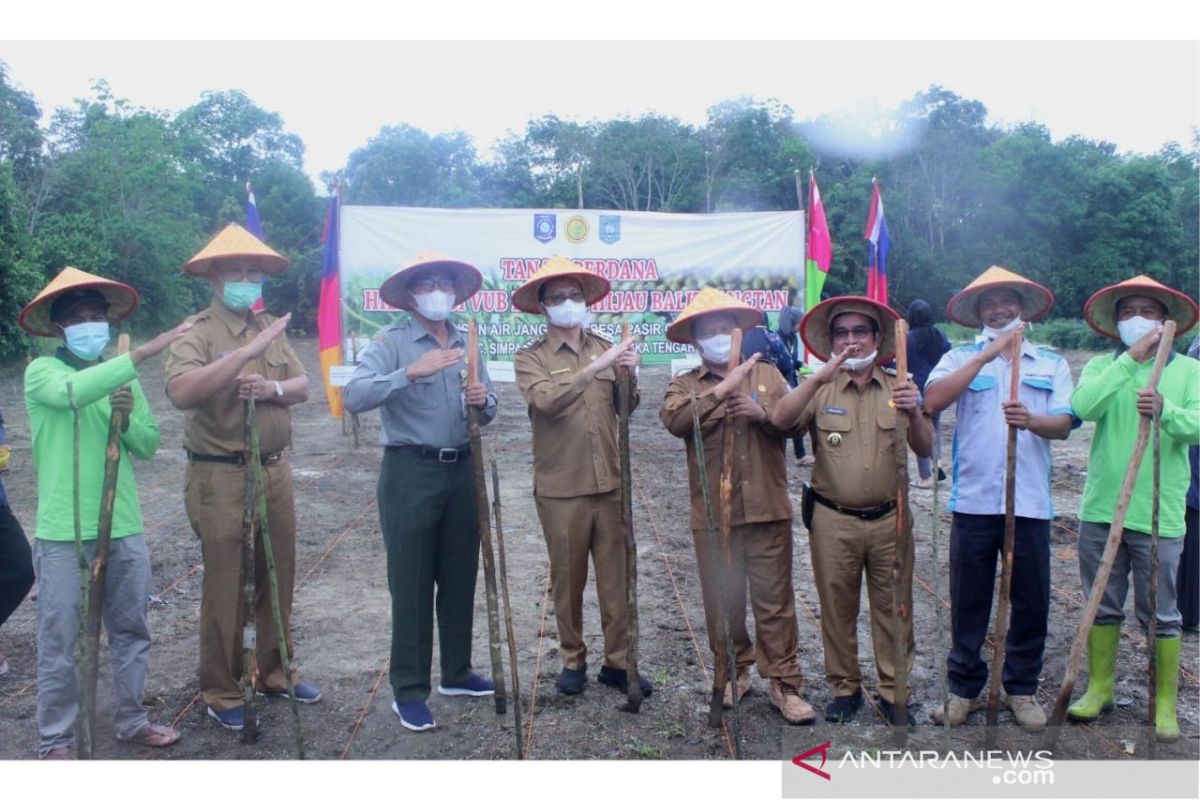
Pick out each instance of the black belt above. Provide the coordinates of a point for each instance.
(447, 455)
(238, 459)
(866, 514)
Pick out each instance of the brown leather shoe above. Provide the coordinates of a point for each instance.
(790, 704)
(743, 686)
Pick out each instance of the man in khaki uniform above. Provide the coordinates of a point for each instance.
(852, 409)
(761, 526)
(568, 377)
(230, 355)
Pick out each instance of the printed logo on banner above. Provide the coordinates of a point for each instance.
(544, 227)
(610, 229)
(801, 761)
(576, 229)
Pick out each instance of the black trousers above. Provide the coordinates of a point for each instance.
(16, 564)
(976, 543)
(1187, 580)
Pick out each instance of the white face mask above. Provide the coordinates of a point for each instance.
(567, 314)
(1135, 328)
(716, 349)
(434, 306)
(855, 364)
(992, 333)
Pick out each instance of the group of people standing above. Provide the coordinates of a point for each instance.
(859, 415)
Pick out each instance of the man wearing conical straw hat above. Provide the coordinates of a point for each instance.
(977, 378)
(1112, 393)
(414, 372)
(230, 355)
(853, 410)
(78, 308)
(569, 377)
(761, 530)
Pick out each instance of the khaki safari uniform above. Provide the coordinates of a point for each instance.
(214, 492)
(577, 486)
(854, 435)
(761, 525)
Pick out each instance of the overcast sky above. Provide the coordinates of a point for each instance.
(337, 95)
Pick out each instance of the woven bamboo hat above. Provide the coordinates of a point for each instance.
(120, 298)
(814, 328)
(235, 242)
(467, 279)
(1036, 300)
(595, 287)
(1100, 310)
(709, 301)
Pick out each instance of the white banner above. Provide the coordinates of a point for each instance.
(656, 262)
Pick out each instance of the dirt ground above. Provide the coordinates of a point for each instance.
(341, 618)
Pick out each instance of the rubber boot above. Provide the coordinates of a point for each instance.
(1102, 667)
(1166, 726)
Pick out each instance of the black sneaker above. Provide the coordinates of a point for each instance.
(843, 709)
(889, 713)
(619, 679)
(572, 681)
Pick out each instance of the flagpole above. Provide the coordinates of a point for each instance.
(806, 209)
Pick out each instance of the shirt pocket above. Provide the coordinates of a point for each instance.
(980, 395)
(1036, 392)
(277, 363)
(833, 431)
(423, 392)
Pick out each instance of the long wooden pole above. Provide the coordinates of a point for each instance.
(86, 725)
(1152, 628)
(900, 609)
(633, 701)
(1115, 530)
(249, 629)
(99, 569)
(254, 464)
(943, 647)
(1000, 628)
(724, 646)
(508, 623)
(485, 524)
(723, 564)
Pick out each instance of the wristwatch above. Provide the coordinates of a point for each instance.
(278, 389)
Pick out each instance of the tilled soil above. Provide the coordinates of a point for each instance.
(341, 617)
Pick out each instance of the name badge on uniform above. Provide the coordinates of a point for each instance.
(839, 412)
(559, 371)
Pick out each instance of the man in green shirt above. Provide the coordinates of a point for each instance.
(1111, 391)
(78, 307)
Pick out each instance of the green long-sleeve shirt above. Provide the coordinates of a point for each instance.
(50, 423)
(1107, 393)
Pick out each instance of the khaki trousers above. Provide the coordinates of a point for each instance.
(761, 557)
(575, 527)
(214, 496)
(843, 547)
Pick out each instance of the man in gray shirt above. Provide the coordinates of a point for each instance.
(414, 371)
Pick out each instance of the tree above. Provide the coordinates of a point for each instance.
(404, 166)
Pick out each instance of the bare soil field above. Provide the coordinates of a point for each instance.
(341, 617)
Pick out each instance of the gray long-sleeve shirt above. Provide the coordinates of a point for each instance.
(427, 411)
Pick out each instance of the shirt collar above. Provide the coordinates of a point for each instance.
(235, 322)
(844, 378)
(557, 340)
(417, 331)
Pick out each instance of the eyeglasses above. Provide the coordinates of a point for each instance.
(858, 332)
(231, 274)
(427, 285)
(562, 297)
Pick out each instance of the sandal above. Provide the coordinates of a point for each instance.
(152, 735)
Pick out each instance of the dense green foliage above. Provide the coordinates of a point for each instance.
(131, 193)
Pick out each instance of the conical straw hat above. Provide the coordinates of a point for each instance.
(35, 316)
(235, 242)
(814, 328)
(1036, 300)
(1100, 310)
(708, 301)
(525, 298)
(467, 279)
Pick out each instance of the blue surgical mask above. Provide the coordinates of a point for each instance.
(87, 340)
(240, 295)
